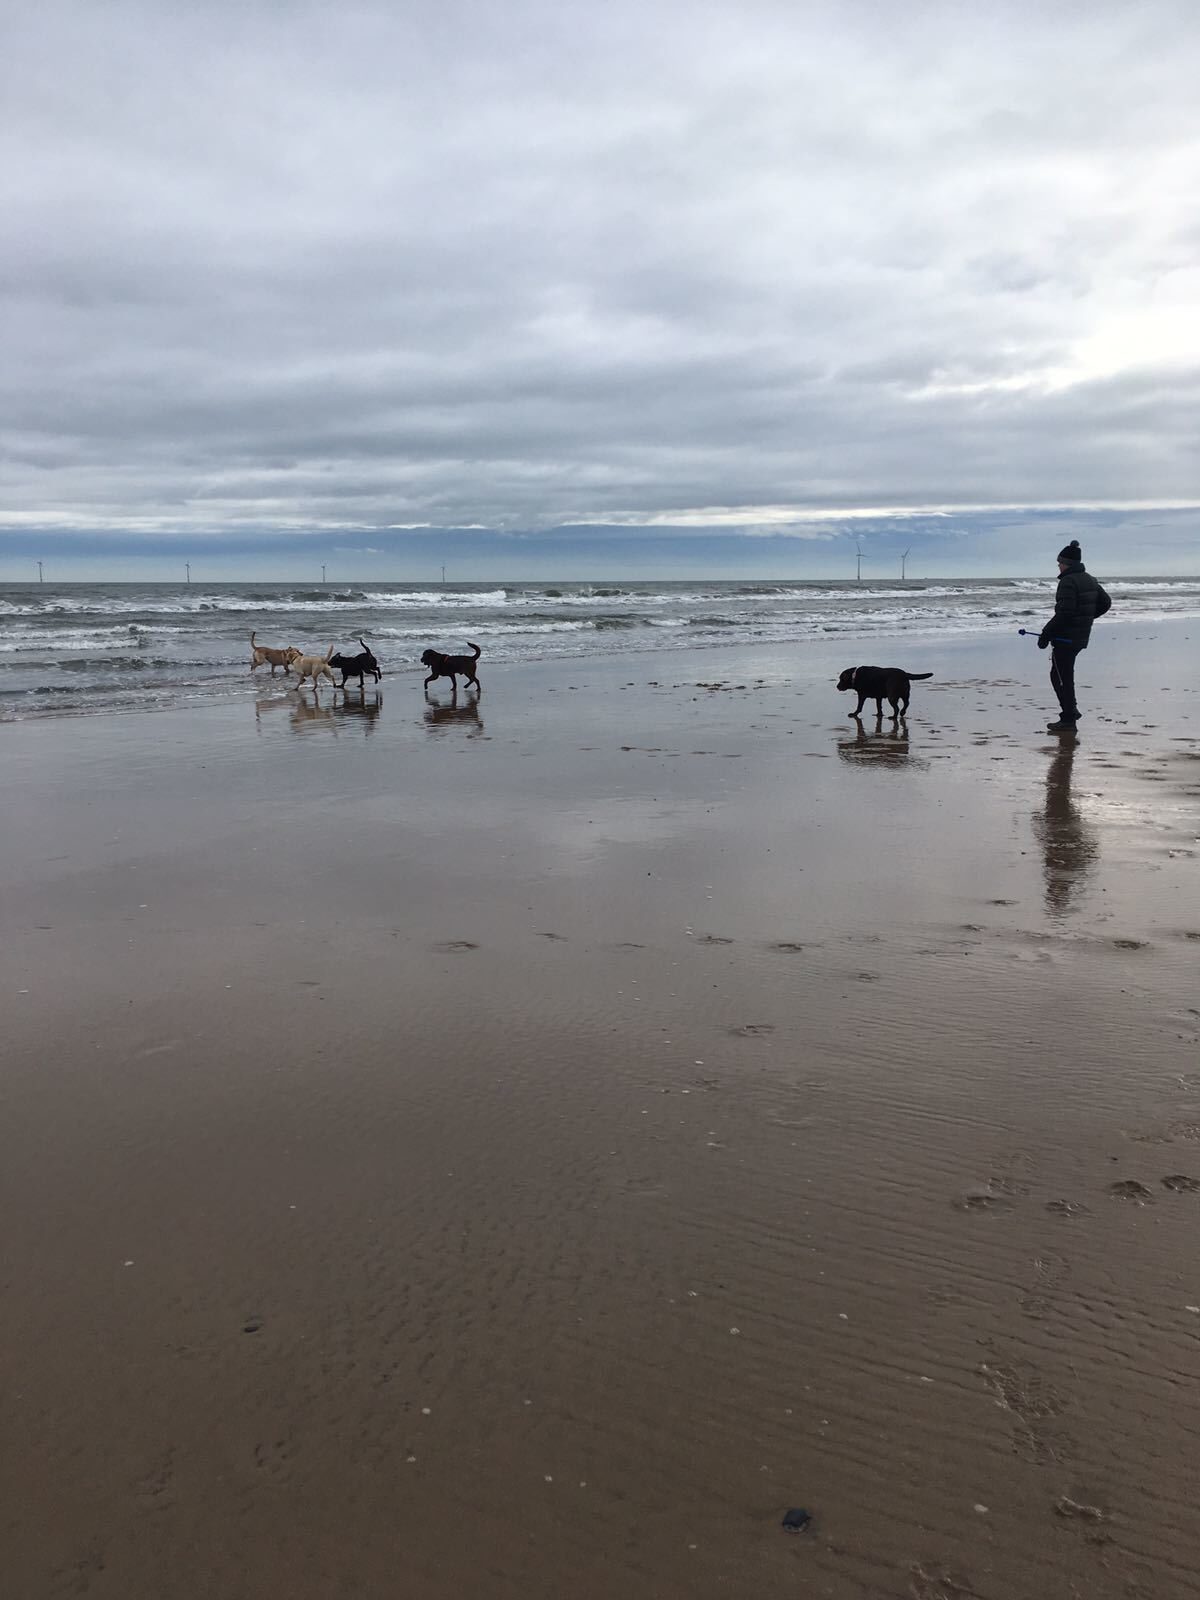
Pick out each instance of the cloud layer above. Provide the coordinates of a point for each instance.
(522, 267)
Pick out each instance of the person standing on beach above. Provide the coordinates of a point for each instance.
(1077, 604)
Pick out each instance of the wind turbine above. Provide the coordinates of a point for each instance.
(322, 572)
(858, 571)
(187, 567)
(903, 562)
(40, 578)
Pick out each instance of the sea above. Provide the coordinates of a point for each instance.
(103, 647)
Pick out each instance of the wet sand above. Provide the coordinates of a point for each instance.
(521, 1151)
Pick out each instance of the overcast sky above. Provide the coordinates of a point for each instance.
(643, 285)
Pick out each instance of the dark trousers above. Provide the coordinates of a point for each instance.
(1062, 678)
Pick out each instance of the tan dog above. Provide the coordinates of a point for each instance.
(262, 655)
(314, 667)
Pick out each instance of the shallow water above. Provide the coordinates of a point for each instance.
(98, 647)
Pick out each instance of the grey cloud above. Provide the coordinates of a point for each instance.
(518, 267)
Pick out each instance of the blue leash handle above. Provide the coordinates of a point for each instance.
(1029, 634)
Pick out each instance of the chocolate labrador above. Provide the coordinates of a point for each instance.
(441, 666)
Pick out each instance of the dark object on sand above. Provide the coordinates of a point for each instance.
(355, 666)
(796, 1520)
(892, 684)
(441, 666)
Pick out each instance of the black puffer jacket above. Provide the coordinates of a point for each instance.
(1079, 601)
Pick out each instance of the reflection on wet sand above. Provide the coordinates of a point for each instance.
(1069, 845)
(881, 748)
(307, 713)
(440, 718)
(354, 703)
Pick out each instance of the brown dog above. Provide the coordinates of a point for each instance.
(879, 684)
(314, 667)
(262, 655)
(441, 666)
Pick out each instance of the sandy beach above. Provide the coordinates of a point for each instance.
(521, 1149)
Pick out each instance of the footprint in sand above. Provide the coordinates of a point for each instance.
(1130, 944)
(1022, 1390)
(712, 938)
(787, 946)
(1050, 1271)
(156, 1490)
(939, 1583)
(1130, 1189)
(273, 1458)
(451, 947)
(985, 1197)
(76, 1575)
(1067, 1208)
(753, 1030)
(1180, 1183)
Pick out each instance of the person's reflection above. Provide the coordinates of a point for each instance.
(1069, 846)
(356, 704)
(881, 748)
(441, 718)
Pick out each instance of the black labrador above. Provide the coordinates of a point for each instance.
(356, 666)
(880, 684)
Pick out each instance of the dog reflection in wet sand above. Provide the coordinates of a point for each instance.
(882, 748)
(361, 708)
(441, 718)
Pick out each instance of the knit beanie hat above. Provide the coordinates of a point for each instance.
(1071, 552)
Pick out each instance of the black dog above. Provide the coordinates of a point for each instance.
(355, 666)
(441, 666)
(880, 684)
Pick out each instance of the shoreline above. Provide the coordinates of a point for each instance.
(813, 650)
(138, 648)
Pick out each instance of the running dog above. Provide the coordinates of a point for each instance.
(880, 684)
(262, 654)
(314, 667)
(441, 666)
(355, 666)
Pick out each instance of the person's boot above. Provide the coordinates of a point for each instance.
(1063, 725)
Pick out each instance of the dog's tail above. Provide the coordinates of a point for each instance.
(918, 674)
(477, 650)
(252, 633)
(364, 645)
(329, 653)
